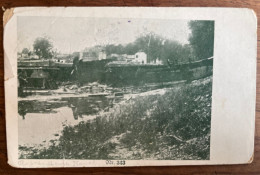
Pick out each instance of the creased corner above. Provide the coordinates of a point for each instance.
(8, 13)
(251, 159)
(254, 13)
(8, 69)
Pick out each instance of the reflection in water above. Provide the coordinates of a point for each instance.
(79, 105)
(76, 113)
(41, 121)
(88, 106)
(40, 128)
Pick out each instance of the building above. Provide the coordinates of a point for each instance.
(93, 53)
(60, 60)
(102, 55)
(28, 56)
(63, 58)
(140, 57)
(157, 62)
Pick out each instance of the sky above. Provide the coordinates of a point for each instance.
(69, 35)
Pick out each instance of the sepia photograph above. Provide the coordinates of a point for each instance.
(114, 88)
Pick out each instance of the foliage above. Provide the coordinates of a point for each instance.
(156, 47)
(175, 125)
(43, 47)
(200, 47)
(114, 49)
(202, 38)
(150, 44)
(25, 51)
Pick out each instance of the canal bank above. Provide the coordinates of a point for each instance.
(133, 117)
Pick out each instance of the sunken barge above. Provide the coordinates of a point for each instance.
(47, 74)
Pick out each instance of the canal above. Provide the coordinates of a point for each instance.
(41, 120)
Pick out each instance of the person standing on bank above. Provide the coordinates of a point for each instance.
(77, 60)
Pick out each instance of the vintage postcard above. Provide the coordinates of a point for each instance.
(121, 86)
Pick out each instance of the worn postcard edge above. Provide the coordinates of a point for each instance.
(13, 161)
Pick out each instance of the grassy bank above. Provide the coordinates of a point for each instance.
(175, 125)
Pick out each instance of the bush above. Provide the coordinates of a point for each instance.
(175, 125)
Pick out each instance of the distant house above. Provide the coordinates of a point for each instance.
(157, 61)
(60, 61)
(137, 58)
(24, 55)
(140, 57)
(93, 53)
(128, 58)
(102, 55)
(114, 55)
(28, 56)
(63, 58)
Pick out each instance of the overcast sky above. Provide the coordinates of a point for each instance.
(75, 34)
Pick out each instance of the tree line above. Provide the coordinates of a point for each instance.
(201, 45)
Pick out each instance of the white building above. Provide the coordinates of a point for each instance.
(140, 57)
(102, 55)
(59, 60)
(158, 61)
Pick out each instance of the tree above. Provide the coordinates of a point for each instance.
(202, 38)
(25, 51)
(43, 48)
(172, 52)
(156, 47)
(151, 44)
(75, 54)
(114, 49)
(131, 49)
